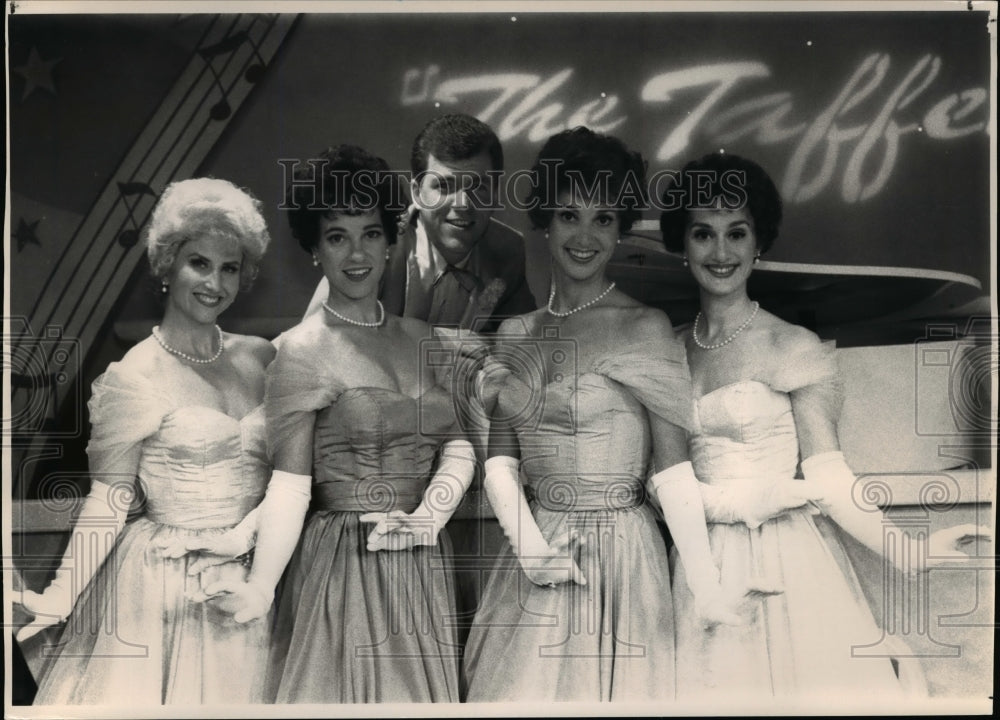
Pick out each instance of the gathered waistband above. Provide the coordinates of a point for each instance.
(379, 494)
(576, 494)
(203, 516)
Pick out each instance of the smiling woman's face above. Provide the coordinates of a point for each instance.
(351, 250)
(583, 234)
(720, 247)
(205, 278)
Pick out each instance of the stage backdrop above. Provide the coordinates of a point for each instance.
(874, 125)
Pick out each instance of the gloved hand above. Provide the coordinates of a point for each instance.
(544, 564)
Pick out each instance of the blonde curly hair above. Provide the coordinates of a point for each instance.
(206, 206)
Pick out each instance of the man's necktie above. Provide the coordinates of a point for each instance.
(450, 295)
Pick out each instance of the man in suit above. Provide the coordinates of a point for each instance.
(453, 264)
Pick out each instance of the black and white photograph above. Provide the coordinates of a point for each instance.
(552, 358)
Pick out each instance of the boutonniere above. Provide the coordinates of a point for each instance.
(490, 296)
(480, 308)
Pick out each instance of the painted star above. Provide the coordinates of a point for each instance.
(37, 73)
(26, 235)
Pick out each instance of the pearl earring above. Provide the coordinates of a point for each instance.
(756, 258)
(164, 287)
(546, 234)
(685, 258)
(315, 261)
(387, 256)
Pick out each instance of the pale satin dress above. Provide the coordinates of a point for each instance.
(134, 638)
(585, 446)
(353, 625)
(800, 642)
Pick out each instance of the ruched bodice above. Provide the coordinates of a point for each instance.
(356, 625)
(585, 442)
(585, 439)
(800, 643)
(374, 448)
(590, 446)
(744, 431)
(203, 468)
(199, 472)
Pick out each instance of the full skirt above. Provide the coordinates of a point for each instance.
(611, 639)
(817, 639)
(134, 637)
(356, 626)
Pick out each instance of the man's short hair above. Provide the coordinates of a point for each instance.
(454, 137)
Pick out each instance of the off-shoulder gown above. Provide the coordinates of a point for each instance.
(585, 447)
(357, 626)
(802, 641)
(134, 637)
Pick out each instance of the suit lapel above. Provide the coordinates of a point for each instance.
(395, 279)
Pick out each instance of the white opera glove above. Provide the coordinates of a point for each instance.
(215, 549)
(544, 564)
(753, 503)
(677, 490)
(397, 530)
(830, 471)
(96, 528)
(866, 523)
(282, 514)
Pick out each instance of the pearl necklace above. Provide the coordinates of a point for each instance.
(552, 296)
(184, 355)
(741, 328)
(346, 319)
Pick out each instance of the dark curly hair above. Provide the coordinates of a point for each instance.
(343, 179)
(734, 180)
(454, 137)
(581, 158)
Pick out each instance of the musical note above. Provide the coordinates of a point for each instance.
(128, 238)
(221, 110)
(256, 71)
(224, 46)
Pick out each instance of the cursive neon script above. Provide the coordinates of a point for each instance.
(856, 134)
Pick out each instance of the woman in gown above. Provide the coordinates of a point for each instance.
(179, 420)
(360, 420)
(584, 393)
(767, 393)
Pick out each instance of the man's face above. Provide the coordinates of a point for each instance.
(456, 201)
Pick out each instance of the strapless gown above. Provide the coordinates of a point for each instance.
(585, 447)
(133, 637)
(800, 643)
(356, 626)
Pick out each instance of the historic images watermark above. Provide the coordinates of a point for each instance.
(361, 190)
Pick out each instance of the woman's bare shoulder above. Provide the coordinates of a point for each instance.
(258, 348)
(641, 322)
(785, 337)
